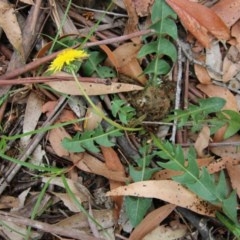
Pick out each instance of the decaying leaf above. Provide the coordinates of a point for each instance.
(32, 114)
(9, 24)
(200, 21)
(168, 191)
(88, 163)
(228, 11)
(231, 65)
(214, 61)
(70, 87)
(55, 138)
(126, 55)
(163, 232)
(143, 7)
(202, 140)
(151, 221)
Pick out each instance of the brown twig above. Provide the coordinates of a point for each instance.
(33, 65)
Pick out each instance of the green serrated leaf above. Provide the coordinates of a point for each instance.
(222, 190)
(233, 122)
(89, 140)
(136, 209)
(91, 64)
(166, 48)
(161, 10)
(197, 113)
(141, 174)
(165, 27)
(230, 207)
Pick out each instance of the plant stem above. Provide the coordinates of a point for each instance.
(98, 110)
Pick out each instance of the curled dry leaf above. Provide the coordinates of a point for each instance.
(80, 221)
(228, 11)
(201, 72)
(231, 64)
(113, 163)
(88, 163)
(151, 221)
(9, 24)
(143, 7)
(214, 61)
(92, 89)
(132, 23)
(168, 191)
(32, 114)
(163, 232)
(55, 138)
(202, 140)
(126, 55)
(200, 20)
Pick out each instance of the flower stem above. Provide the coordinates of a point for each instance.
(98, 110)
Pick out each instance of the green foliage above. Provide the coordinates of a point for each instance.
(122, 110)
(198, 181)
(164, 51)
(136, 208)
(198, 114)
(232, 119)
(89, 140)
(92, 65)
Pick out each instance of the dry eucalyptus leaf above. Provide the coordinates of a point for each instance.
(9, 24)
(200, 21)
(151, 221)
(32, 114)
(56, 136)
(168, 191)
(30, 2)
(231, 65)
(104, 217)
(202, 140)
(214, 60)
(228, 11)
(70, 87)
(165, 232)
(89, 163)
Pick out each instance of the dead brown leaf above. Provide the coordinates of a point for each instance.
(202, 141)
(168, 191)
(55, 138)
(113, 163)
(88, 163)
(201, 72)
(228, 11)
(231, 65)
(70, 87)
(200, 21)
(151, 221)
(126, 55)
(143, 7)
(9, 24)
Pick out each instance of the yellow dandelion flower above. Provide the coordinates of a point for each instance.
(66, 57)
